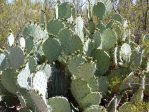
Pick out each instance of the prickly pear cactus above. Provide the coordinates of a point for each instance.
(75, 63)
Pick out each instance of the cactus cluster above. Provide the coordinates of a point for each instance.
(72, 64)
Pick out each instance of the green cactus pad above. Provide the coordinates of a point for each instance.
(108, 39)
(91, 26)
(59, 104)
(26, 96)
(74, 62)
(128, 107)
(93, 98)
(70, 43)
(32, 64)
(15, 57)
(65, 10)
(93, 84)
(118, 18)
(116, 78)
(9, 80)
(95, 108)
(52, 49)
(109, 6)
(99, 10)
(126, 83)
(34, 31)
(103, 85)
(4, 62)
(109, 25)
(136, 59)
(55, 26)
(79, 89)
(40, 104)
(81, 69)
(101, 27)
(97, 39)
(29, 44)
(118, 28)
(29, 31)
(85, 71)
(103, 61)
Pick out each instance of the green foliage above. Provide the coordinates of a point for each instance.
(54, 26)
(61, 70)
(105, 37)
(99, 10)
(52, 49)
(103, 61)
(59, 104)
(65, 10)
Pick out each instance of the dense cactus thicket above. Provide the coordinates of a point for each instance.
(76, 64)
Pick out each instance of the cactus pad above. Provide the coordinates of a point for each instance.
(65, 10)
(59, 104)
(55, 26)
(103, 61)
(99, 10)
(95, 108)
(52, 49)
(93, 98)
(15, 57)
(9, 80)
(70, 42)
(108, 39)
(79, 89)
